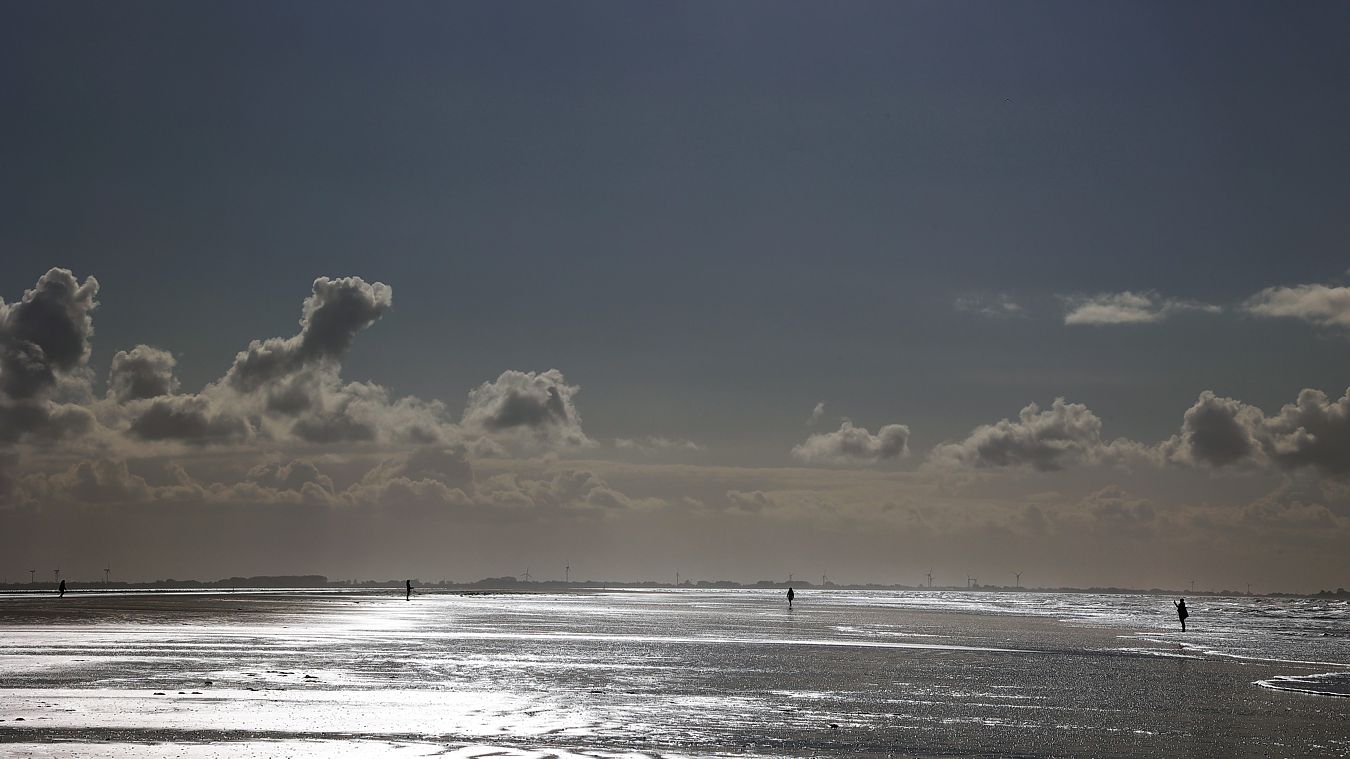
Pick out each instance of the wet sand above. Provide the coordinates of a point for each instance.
(731, 673)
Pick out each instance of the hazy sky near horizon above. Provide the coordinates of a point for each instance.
(740, 289)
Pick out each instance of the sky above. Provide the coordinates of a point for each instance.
(452, 290)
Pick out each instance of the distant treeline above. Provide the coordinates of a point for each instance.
(513, 583)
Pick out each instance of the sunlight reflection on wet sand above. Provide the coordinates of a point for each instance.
(599, 675)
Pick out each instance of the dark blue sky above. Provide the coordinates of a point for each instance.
(709, 215)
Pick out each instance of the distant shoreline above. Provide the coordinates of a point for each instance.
(495, 585)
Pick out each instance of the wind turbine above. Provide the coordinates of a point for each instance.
(31, 574)
(527, 574)
(1018, 575)
(107, 574)
(930, 577)
(567, 573)
(56, 574)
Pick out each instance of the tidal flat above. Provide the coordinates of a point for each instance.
(667, 673)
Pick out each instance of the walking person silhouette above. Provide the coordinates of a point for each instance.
(408, 584)
(62, 590)
(791, 596)
(1181, 612)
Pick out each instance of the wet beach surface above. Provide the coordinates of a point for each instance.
(654, 673)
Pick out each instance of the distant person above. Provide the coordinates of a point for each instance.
(1182, 613)
(408, 584)
(791, 595)
(61, 589)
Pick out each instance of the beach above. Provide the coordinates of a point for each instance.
(657, 673)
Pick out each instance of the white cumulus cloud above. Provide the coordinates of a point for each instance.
(1318, 304)
(854, 445)
(1126, 307)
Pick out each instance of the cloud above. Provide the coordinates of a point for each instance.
(331, 317)
(1293, 506)
(44, 352)
(425, 481)
(817, 414)
(296, 381)
(1119, 512)
(336, 426)
(43, 422)
(1217, 432)
(46, 332)
(854, 445)
(187, 418)
(1063, 435)
(329, 410)
(291, 475)
(448, 466)
(1318, 304)
(1314, 431)
(279, 388)
(652, 445)
(142, 372)
(444, 478)
(105, 482)
(997, 306)
(101, 481)
(752, 502)
(1126, 308)
(569, 490)
(282, 389)
(531, 409)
